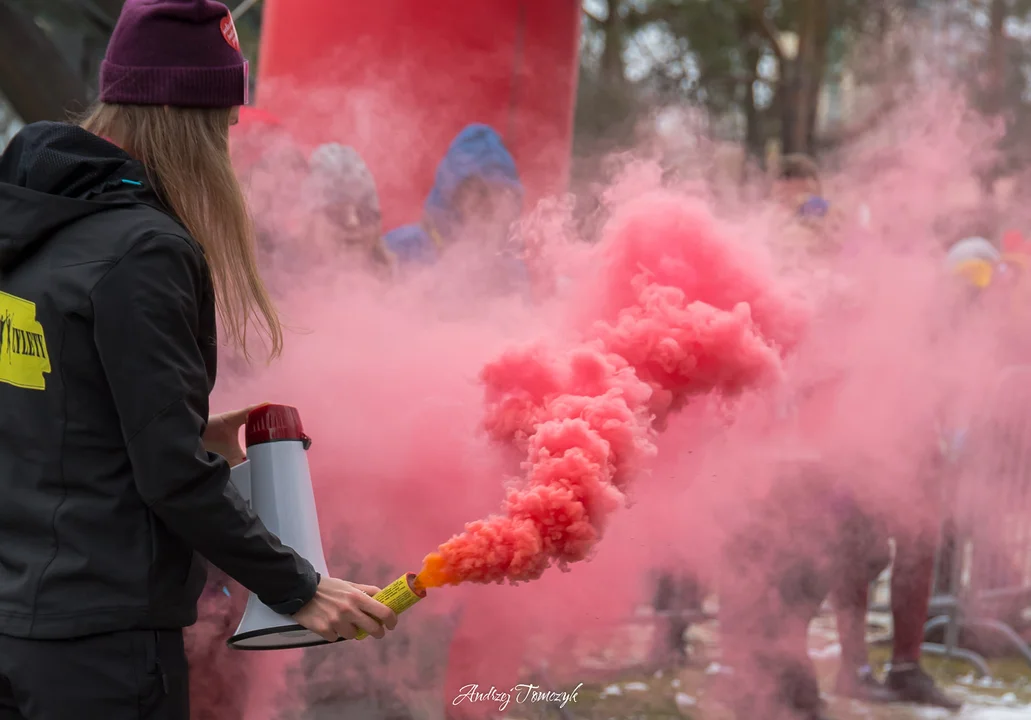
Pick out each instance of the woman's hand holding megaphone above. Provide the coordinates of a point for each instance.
(340, 609)
(222, 435)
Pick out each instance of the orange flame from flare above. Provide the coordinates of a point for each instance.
(433, 573)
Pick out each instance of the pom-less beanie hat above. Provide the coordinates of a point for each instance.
(183, 53)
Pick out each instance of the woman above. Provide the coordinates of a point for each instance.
(120, 241)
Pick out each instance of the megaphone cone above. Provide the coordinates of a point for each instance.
(280, 493)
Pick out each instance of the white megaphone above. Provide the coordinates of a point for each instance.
(275, 481)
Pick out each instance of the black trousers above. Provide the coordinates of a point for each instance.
(128, 675)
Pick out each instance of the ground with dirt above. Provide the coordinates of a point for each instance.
(617, 688)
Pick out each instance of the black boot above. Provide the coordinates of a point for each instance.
(862, 685)
(912, 685)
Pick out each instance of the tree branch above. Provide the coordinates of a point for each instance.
(243, 8)
(592, 17)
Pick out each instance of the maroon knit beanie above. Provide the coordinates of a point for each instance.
(182, 53)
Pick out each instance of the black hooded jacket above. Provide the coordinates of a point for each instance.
(107, 358)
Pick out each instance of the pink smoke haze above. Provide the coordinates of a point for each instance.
(638, 413)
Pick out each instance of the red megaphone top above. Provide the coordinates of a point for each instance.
(271, 423)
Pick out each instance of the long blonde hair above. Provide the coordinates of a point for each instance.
(186, 154)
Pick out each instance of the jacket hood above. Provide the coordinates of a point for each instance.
(338, 175)
(53, 174)
(476, 152)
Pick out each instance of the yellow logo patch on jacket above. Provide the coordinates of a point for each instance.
(23, 346)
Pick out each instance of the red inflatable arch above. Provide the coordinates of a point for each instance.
(397, 79)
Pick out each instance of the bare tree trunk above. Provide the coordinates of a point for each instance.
(883, 19)
(996, 76)
(796, 129)
(806, 79)
(34, 77)
(612, 70)
(755, 140)
(817, 69)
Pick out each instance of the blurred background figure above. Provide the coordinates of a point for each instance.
(344, 220)
(316, 216)
(974, 262)
(775, 576)
(798, 188)
(475, 201)
(805, 227)
(678, 598)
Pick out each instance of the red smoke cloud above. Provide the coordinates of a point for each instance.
(681, 310)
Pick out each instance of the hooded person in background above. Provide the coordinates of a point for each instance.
(344, 220)
(476, 199)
